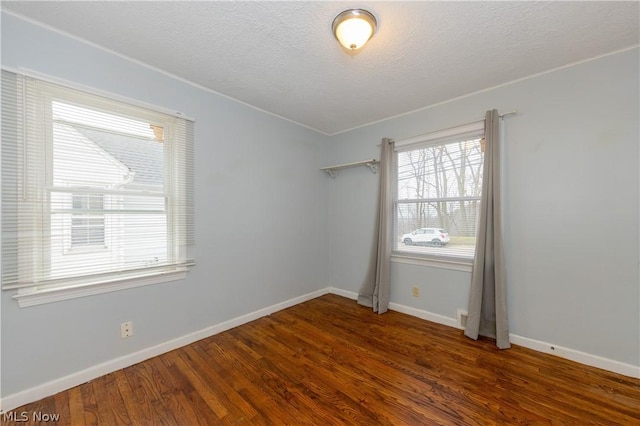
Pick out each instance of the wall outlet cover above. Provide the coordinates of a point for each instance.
(126, 329)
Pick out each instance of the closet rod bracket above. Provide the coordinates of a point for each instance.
(371, 164)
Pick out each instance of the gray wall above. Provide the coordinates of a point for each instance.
(571, 192)
(261, 221)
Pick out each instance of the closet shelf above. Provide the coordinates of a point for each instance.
(371, 164)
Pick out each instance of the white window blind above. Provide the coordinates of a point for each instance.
(93, 190)
(437, 198)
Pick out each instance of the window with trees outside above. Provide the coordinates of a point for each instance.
(437, 199)
(96, 192)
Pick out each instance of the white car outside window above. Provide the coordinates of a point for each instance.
(427, 236)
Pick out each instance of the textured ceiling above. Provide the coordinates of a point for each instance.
(282, 57)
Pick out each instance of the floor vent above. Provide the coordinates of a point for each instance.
(462, 318)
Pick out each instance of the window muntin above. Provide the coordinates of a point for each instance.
(87, 225)
(438, 193)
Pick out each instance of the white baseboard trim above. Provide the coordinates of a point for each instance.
(344, 293)
(419, 313)
(537, 345)
(577, 356)
(36, 393)
(425, 315)
(58, 385)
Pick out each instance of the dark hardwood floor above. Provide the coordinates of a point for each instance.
(331, 362)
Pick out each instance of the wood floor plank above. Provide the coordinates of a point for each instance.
(354, 394)
(156, 386)
(174, 394)
(62, 403)
(128, 398)
(323, 389)
(141, 400)
(207, 371)
(188, 397)
(148, 396)
(76, 412)
(226, 383)
(106, 412)
(329, 361)
(209, 396)
(115, 400)
(252, 385)
(385, 367)
(172, 391)
(353, 366)
(89, 405)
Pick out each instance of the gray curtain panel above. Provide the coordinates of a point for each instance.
(488, 298)
(374, 291)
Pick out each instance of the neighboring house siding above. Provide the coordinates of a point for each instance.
(73, 150)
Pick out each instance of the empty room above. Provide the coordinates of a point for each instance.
(320, 213)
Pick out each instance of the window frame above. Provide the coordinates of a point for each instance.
(471, 131)
(61, 289)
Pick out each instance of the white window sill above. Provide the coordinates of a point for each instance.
(33, 296)
(463, 265)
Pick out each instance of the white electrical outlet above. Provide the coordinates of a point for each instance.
(126, 329)
(415, 291)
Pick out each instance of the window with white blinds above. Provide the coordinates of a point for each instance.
(437, 198)
(94, 190)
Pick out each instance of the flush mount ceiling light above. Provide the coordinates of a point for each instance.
(354, 27)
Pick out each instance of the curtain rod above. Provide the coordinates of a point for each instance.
(503, 115)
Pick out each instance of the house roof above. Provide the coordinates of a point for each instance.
(144, 157)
